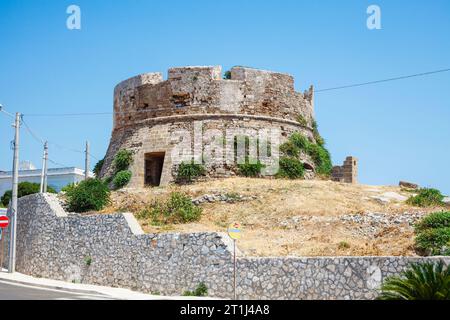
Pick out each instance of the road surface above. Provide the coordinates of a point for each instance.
(12, 291)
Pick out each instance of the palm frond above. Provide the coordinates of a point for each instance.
(422, 281)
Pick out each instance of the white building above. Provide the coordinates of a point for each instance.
(57, 177)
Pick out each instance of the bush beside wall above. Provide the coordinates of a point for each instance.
(88, 195)
(177, 209)
(187, 172)
(319, 154)
(121, 179)
(433, 234)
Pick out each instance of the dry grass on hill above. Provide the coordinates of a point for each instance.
(307, 218)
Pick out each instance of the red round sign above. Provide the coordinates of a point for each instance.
(4, 221)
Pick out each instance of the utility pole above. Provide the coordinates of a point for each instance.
(15, 183)
(44, 169)
(86, 162)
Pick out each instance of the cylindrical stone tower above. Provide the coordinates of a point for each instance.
(152, 116)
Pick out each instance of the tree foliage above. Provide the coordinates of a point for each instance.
(23, 189)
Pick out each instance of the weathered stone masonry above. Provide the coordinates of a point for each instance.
(52, 243)
(347, 173)
(148, 110)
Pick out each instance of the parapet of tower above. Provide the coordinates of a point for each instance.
(202, 91)
(148, 109)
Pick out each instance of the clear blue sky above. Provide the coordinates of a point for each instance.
(398, 130)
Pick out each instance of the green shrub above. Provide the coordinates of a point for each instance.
(318, 153)
(433, 241)
(343, 245)
(433, 234)
(24, 189)
(319, 140)
(88, 260)
(434, 221)
(122, 160)
(121, 179)
(200, 291)
(427, 198)
(321, 158)
(227, 75)
(181, 208)
(90, 194)
(108, 180)
(98, 167)
(250, 169)
(300, 141)
(68, 187)
(289, 149)
(290, 168)
(177, 209)
(187, 172)
(301, 120)
(423, 281)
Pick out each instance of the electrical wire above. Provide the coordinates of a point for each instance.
(68, 114)
(383, 80)
(31, 132)
(2, 110)
(57, 164)
(316, 91)
(42, 141)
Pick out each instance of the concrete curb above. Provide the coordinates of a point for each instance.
(52, 287)
(107, 292)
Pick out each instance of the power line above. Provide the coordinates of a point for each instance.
(31, 132)
(68, 114)
(42, 141)
(58, 164)
(384, 80)
(92, 113)
(2, 109)
(157, 109)
(72, 150)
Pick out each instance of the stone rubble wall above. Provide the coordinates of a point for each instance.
(105, 250)
(112, 250)
(320, 278)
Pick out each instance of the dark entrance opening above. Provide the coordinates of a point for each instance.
(153, 168)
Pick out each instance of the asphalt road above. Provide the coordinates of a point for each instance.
(10, 291)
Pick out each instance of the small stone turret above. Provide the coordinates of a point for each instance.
(348, 172)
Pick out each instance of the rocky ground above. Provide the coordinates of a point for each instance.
(284, 217)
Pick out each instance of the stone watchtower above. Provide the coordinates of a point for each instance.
(148, 112)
